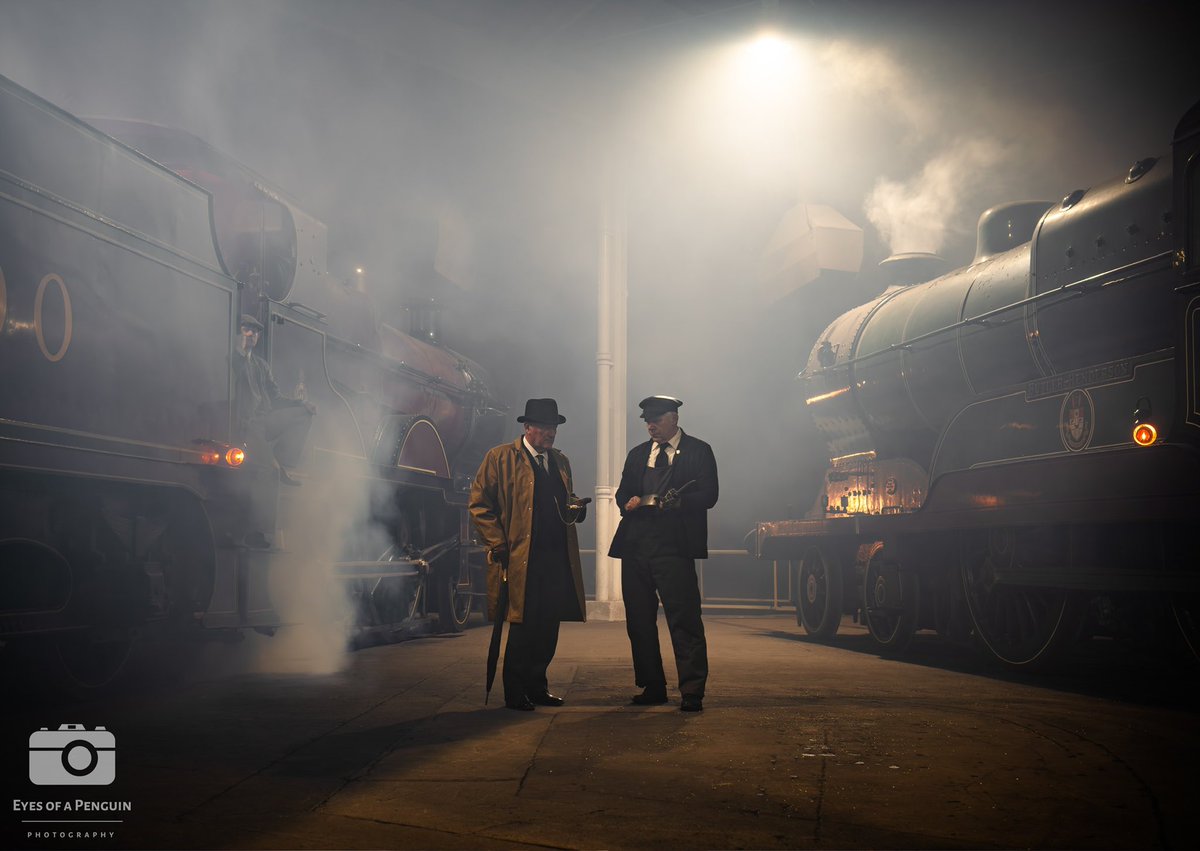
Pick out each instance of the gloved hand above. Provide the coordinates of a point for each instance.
(499, 556)
(670, 500)
(578, 508)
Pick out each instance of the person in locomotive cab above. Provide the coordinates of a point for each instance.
(524, 508)
(667, 486)
(264, 415)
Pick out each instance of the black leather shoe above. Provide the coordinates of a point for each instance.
(522, 705)
(545, 698)
(691, 703)
(650, 697)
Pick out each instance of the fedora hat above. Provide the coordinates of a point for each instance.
(249, 321)
(542, 411)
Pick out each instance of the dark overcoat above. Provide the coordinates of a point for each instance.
(694, 462)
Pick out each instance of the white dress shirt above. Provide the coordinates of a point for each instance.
(672, 448)
(538, 458)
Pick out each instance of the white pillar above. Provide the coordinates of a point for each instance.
(613, 293)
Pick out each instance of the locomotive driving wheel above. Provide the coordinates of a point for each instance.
(1023, 627)
(890, 601)
(392, 600)
(1186, 609)
(819, 593)
(456, 610)
(93, 659)
(84, 661)
(78, 662)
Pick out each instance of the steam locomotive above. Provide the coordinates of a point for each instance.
(131, 505)
(1014, 446)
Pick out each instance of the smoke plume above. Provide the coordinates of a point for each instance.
(917, 214)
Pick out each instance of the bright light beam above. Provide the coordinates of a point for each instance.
(764, 72)
(765, 58)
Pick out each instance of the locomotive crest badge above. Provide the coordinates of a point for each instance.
(1077, 420)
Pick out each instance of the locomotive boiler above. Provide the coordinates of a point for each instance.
(131, 502)
(1014, 446)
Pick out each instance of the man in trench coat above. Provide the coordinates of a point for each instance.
(523, 506)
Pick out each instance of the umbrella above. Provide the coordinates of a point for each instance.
(497, 628)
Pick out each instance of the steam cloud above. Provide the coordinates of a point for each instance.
(324, 526)
(917, 214)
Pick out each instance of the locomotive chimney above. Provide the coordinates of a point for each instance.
(1006, 226)
(912, 267)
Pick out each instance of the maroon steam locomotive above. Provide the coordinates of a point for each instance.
(1014, 446)
(130, 503)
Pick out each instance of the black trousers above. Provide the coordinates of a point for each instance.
(283, 432)
(653, 569)
(531, 643)
(286, 429)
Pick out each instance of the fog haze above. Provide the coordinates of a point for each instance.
(458, 149)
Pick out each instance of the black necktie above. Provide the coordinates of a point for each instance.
(662, 461)
(542, 463)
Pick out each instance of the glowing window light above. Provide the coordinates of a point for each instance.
(832, 394)
(865, 456)
(1144, 434)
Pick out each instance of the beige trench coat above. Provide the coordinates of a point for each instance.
(502, 508)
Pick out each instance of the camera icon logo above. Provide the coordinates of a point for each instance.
(72, 755)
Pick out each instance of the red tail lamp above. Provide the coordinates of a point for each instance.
(1144, 434)
(235, 456)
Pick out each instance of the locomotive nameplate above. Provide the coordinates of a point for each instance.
(1105, 373)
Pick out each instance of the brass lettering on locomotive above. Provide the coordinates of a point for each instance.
(1105, 373)
(39, 325)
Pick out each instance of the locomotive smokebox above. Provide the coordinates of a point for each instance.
(1006, 226)
(913, 267)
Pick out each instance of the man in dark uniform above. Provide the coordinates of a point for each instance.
(525, 511)
(667, 486)
(264, 415)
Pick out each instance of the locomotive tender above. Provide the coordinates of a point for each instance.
(130, 502)
(1014, 446)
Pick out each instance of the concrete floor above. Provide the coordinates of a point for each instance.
(801, 745)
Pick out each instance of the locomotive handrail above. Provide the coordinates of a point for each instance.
(1075, 288)
(304, 308)
(401, 367)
